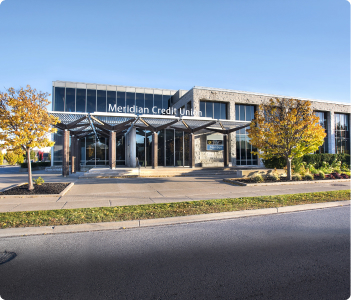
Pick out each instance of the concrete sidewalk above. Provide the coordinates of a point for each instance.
(132, 191)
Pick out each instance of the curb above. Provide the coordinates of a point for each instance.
(234, 182)
(24, 231)
(67, 188)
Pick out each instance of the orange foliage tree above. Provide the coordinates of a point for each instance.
(285, 128)
(25, 122)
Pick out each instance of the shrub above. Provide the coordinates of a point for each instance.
(37, 164)
(297, 177)
(257, 178)
(347, 173)
(336, 175)
(345, 167)
(38, 181)
(321, 174)
(11, 158)
(308, 177)
(1, 158)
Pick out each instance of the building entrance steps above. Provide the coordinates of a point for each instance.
(160, 172)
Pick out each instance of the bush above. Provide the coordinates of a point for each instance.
(11, 158)
(1, 158)
(37, 164)
(297, 177)
(257, 178)
(39, 181)
(321, 174)
(20, 159)
(308, 177)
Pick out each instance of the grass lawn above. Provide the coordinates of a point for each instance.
(162, 210)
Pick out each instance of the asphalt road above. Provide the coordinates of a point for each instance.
(304, 255)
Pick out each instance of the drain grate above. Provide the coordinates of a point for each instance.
(6, 256)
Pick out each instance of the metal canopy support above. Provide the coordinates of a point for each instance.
(226, 150)
(73, 154)
(112, 150)
(154, 150)
(65, 158)
(192, 150)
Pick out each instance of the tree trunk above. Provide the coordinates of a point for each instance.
(30, 180)
(288, 165)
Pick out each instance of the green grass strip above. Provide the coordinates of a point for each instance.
(162, 210)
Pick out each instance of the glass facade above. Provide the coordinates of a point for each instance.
(91, 100)
(215, 110)
(323, 122)
(342, 133)
(244, 157)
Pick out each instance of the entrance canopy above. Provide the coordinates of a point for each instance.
(84, 124)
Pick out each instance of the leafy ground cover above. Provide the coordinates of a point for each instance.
(161, 210)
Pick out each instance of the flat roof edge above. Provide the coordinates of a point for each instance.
(269, 95)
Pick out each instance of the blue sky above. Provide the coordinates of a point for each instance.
(297, 48)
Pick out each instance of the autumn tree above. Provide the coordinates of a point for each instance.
(285, 128)
(25, 122)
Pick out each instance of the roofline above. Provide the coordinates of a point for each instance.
(115, 85)
(268, 95)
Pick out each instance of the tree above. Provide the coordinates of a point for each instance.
(1, 158)
(25, 123)
(11, 158)
(285, 128)
(32, 155)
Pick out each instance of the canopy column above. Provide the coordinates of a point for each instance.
(65, 154)
(192, 150)
(78, 149)
(226, 150)
(73, 154)
(154, 150)
(112, 150)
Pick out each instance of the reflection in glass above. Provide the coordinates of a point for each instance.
(120, 150)
(223, 111)
(166, 101)
(130, 101)
(58, 138)
(216, 110)
(101, 101)
(140, 146)
(161, 148)
(70, 100)
(158, 103)
(148, 148)
(80, 101)
(111, 101)
(149, 103)
(186, 148)
(169, 147)
(202, 109)
(209, 109)
(178, 148)
(82, 151)
(121, 100)
(59, 99)
(90, 150)
(139, 103)
(91, 100)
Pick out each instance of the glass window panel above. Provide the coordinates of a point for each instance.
(242, 113)
(166, 101)
(139, 103)
(91, 100)
(157, 104)
(179, 148)
(80, 101)
(149, 103)
(58, 146)
(82, 151)
(186, 148)
(148, 148)
(203, 108)
(90, 150)
(121, 100)
(130, 101)
(120, 150)
(100, 151)
(111, 101)
(169, 147)
(223, 111)
(237, 111)
(209, 109)
(161, 148)
(216, 110)
(140, 146)
(70, 100)
(101, 101)
(59, 99)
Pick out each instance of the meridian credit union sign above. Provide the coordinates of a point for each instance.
(154, 110)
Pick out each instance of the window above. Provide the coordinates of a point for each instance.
(323, 122)
(215, 110)
(244, 156)
(342, 134)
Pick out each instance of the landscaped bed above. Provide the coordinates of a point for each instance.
(161, 210)
(43, 189)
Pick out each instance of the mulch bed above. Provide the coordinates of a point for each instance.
(269, 180)
(44, 189)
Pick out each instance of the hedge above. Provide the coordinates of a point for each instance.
(318, 159)
(37, 164)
